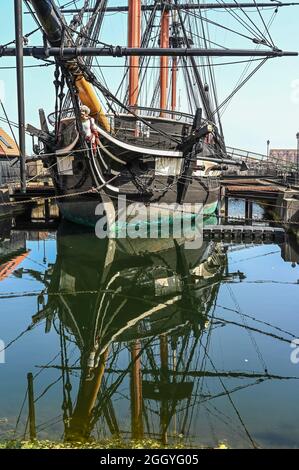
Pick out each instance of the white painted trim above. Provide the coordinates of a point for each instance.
(109, 186)
(134, 148)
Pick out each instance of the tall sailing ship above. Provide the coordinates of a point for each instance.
(150, 154)
(142, 147)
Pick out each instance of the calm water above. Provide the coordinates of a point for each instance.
(147, 338)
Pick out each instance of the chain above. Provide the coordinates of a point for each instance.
(56, 84)
(61, 196)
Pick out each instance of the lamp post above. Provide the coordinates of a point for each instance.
(297, 158)
(268, 148)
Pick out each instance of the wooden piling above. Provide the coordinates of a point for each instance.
(47, 210)
(223, 203)
(32, 428)
(226, 208)
(136, 392)
(248, 211)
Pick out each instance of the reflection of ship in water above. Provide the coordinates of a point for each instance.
(152, 296)
(141, 314)
(290, 249)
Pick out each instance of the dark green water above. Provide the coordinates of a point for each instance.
(147, 338)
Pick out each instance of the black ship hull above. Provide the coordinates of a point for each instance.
(82, 208)
(134, 171)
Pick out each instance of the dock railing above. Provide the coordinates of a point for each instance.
(250, 157)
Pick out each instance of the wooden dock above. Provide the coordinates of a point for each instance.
(283, 199)
(12, 193)
(33, 190)
(244, 233)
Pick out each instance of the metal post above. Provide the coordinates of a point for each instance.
(20, 87)
(32, 428)
(248, 212)
(268, 148)
(225, 209)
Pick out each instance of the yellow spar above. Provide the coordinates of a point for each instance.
(89, 98)
(53, 25)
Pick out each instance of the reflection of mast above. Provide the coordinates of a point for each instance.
(136, 392)
(164, 42)
(186, 284)
(164, 381)
(91, 284)
(134, 34)
(87, 396)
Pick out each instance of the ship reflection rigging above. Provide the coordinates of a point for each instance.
(139, 317)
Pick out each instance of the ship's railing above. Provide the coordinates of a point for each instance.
(128, 128)
(178, 116)
(65, 114)
(124, 126)
(146, 113)
(162, 133)
(164, 123)
(165, 113)
(246, 154)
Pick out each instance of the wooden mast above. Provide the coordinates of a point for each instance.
(134, 35)
(88, 392)
(164, 43)
(174, 68)
(174, 84)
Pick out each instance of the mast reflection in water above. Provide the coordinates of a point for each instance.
(141, 331)
(150, 297)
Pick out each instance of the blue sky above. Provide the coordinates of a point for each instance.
(267, 107)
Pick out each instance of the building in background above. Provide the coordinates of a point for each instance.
(284, 155)
(9, 153)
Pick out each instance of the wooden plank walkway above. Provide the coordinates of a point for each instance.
(252, 189)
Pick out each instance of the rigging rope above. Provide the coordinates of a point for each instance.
(228, 394)
(230, 96)
(250, 61)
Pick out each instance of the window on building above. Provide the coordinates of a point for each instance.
(4, 141)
